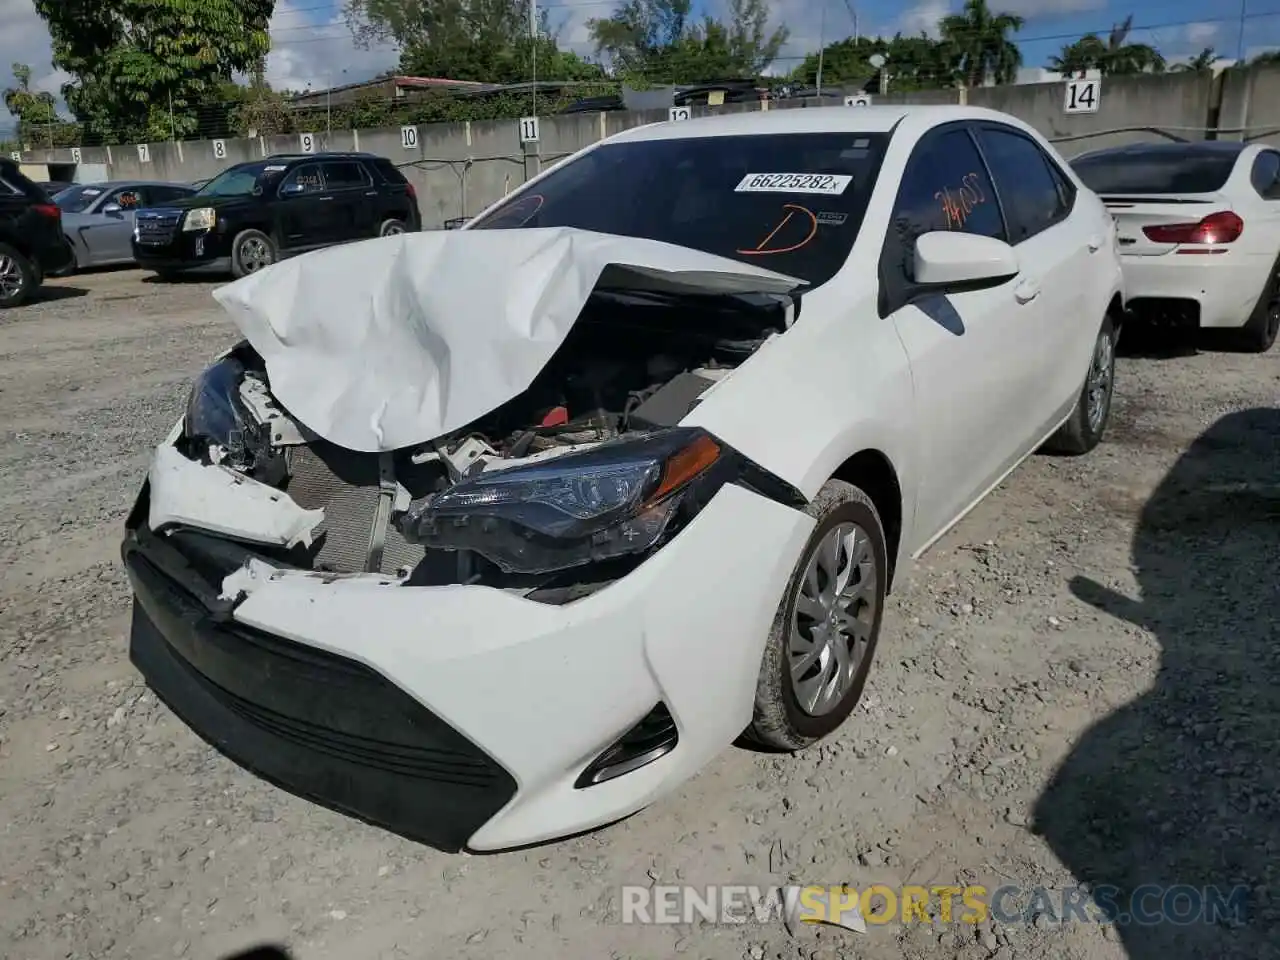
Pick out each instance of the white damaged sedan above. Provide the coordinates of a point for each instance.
(494, 535)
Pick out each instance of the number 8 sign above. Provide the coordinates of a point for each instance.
(219, 149)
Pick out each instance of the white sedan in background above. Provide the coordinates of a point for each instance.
(497, 534)
(1199, 232)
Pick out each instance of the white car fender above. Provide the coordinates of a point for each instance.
(836, 384)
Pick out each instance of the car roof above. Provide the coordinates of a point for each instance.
(324, 155)
(882, 119)
(1224, 148)
(115, 184)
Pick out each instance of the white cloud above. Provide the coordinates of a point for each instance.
(318, 51)
(1201, 34)
(1048, 8)
(24, 39)
(922, 18)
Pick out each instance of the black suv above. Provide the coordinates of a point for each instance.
(253, 214)
(32, 245)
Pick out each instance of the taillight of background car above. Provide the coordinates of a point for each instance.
(1217, 228)
(48, 210)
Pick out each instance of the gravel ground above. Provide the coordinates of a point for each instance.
(1079, 684)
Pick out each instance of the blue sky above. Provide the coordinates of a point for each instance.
(312, 45)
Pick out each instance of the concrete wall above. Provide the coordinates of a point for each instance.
(459, 168)
(1172, 106)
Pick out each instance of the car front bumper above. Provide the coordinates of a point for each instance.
(463, 716)
(200, 250)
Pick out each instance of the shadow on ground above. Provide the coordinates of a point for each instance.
(48, 293)
(1181, 788)
(268, 952)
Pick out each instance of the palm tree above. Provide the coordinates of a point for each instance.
(1202, 62)
(1115, 57)
(1127, 58)
(980, 42)
(1085, 54)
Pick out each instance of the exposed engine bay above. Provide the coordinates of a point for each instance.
(633, 363)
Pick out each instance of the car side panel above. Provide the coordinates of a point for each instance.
(835, 384)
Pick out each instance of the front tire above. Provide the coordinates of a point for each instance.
(1088, 421)
(18, 277)
(251, 252)
(824, 635)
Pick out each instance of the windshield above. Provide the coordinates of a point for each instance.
(77, 199)
(1155, 171)
(236, 182)
(791, 203)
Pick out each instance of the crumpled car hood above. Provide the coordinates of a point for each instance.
(390, 343)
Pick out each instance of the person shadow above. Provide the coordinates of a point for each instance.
(1168, 810)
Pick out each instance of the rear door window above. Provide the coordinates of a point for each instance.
(166, 194)
(304, 181)
(1029, 194)
(17, 183)
(345, 175)
(1265, 173)
(1155, 171)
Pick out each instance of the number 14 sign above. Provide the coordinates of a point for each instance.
(1083, 96)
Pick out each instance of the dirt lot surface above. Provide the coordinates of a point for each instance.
(1080, 684)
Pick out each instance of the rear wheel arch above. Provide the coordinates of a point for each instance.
(873, 473)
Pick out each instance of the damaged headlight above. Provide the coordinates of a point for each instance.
(218, 428)
(213, 407)
(616, 499)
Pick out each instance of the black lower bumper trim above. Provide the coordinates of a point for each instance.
(319, 725)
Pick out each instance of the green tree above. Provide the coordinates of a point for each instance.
(482, 40)
(914, 63)
(1202, 62)
(979, 40)
(37, 113)
(29, 106)
(648, 41)
(144, 69)
(1113, 57)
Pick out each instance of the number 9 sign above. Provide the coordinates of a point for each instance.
(307, 142)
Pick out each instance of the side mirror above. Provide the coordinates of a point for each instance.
(945, 259)
(457, 222)
(113, 210)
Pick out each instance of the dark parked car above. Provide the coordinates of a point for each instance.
(31, 242)
(253, 214)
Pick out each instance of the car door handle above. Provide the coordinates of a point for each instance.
(1026, 291)
(324, 198)
(1095, 244)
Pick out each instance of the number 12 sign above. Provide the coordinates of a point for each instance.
(1083, 96)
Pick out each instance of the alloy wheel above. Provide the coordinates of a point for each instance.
(254, 255)
(1101, 374)
(11, 279)
(832, 621)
